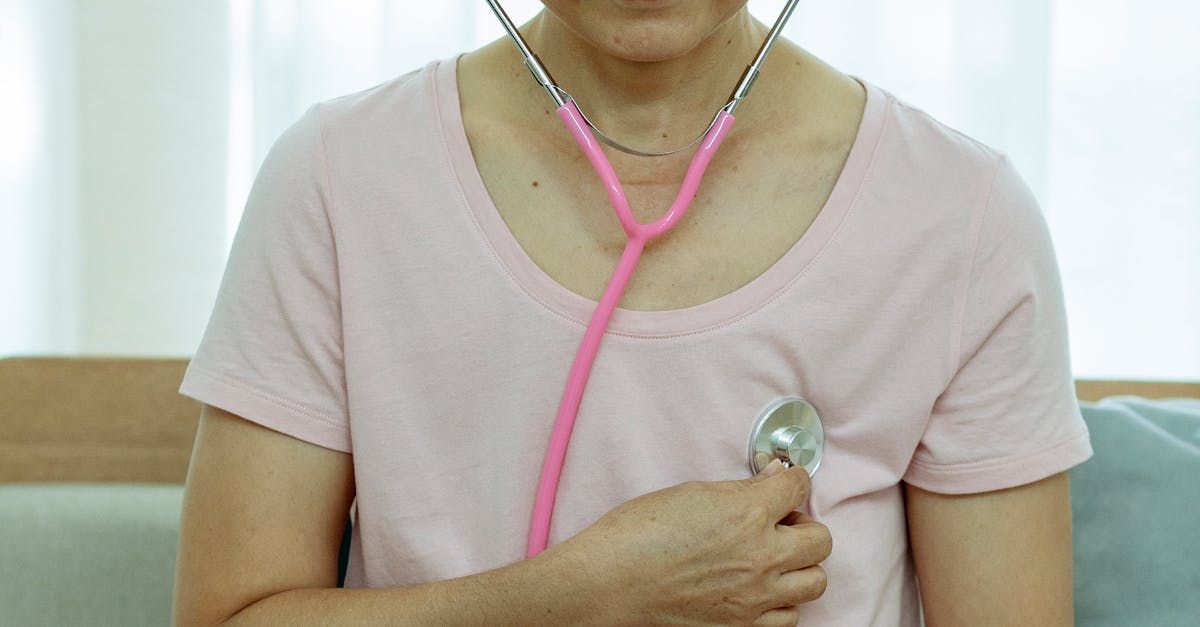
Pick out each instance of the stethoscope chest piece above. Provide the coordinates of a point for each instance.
(790, 430)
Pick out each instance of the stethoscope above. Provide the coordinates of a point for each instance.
(788, 428)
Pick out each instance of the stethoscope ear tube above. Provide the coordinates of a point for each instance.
(747, 81)
(531, 60)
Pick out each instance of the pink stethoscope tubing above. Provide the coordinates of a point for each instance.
(638, 235)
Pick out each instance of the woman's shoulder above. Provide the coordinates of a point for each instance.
(930, 142)
(907, 143)
(378, 108)
(370, 131)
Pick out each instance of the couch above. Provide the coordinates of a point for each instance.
(95, 451)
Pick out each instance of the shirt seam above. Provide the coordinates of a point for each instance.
(990, 464)
(964, 283)
(329, 209)
(273, 399)
(321, 157)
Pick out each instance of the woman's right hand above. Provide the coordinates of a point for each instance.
(711, 553)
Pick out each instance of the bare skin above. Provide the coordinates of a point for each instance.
(766, 185)
(710, 553)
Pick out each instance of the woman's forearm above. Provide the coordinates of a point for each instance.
(552, 588)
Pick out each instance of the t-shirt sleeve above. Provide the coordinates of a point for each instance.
(1009, 415)
(272, 349)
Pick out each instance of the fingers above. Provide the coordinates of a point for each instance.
(766, 468)
(802, 544)
(793, 590)
(784, 491)
(761, 460)
(800, 586)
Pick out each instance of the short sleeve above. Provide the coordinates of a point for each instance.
(272, 349)
(1009, 415)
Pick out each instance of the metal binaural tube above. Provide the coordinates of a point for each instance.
(747, 81)
(561, 96)
(531, 60)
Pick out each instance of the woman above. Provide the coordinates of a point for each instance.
(417, 263)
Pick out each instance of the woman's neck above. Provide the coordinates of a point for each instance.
(650, 105)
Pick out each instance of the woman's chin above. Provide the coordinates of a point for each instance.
(648, 47)
(646, 4)
(645, 31)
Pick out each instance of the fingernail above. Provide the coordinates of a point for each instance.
(773, 467)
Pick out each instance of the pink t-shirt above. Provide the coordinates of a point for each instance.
(375, 303)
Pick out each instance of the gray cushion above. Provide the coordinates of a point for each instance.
(1136, 511)
(88, 554)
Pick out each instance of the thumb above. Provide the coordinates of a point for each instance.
(773, 468)
(785, 494)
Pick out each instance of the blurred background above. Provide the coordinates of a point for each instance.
(130, 131)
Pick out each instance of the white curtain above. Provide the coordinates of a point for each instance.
(130, 131)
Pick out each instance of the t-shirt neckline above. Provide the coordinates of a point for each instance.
(706, 316)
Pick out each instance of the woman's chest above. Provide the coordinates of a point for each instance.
(748, 212)
(445, 451)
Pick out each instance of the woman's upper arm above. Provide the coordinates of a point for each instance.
(263, 512)
(994, 558)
